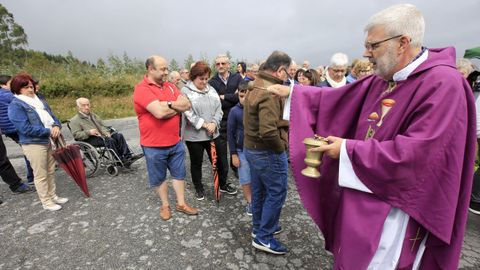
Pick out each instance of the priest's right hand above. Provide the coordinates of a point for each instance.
(279, 90)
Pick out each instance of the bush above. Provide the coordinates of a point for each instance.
(89, 85)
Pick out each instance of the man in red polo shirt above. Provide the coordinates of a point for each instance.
(159, 105)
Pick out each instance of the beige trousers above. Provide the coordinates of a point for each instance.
(43, 165)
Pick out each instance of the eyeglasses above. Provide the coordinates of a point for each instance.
(220, 63)
(242, 91)
(371, 46)
(283, 68)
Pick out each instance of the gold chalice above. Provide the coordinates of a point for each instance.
(313, 159)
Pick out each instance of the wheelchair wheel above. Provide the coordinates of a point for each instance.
(112, 170)
(89, 157)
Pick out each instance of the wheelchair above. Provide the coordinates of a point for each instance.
(96, 157)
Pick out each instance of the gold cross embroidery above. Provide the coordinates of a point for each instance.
(390, 88)
(370, 133)
(417, 237)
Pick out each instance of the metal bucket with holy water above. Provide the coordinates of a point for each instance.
(313, 159)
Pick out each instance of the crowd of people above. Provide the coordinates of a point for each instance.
(398, 165)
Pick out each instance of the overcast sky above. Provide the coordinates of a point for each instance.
(249, 29)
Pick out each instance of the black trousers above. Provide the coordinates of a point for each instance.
(15, 138)
(116, 142)
(196, 149)
(7, 172)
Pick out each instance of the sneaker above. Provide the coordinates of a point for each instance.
(248, 209)
(474, 208)
(200, 195)
(228, 189)
(186, 209)
(60, 200)
(272, 246)
(23, 188)
(277, 231)
(52, 207)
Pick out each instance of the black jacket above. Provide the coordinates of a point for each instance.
(231, 99)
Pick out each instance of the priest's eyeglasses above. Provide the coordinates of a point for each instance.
(374, 45)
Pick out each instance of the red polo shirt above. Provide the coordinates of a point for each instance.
(156, 132)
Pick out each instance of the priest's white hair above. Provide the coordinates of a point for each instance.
(402, 19)
(339, 60)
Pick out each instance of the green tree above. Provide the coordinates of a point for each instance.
(102, 66)
(12, 35)
(189, 61)
(173, 66)
(233, 65)
(128, 65)
(116, 64)
(213, 68)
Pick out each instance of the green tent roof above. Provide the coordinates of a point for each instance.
(472, 53)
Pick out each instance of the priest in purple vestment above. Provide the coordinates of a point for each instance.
(397, 172)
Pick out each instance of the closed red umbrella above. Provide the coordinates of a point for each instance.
(69, 159)
(216, 183)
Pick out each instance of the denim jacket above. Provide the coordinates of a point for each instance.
(28, 124)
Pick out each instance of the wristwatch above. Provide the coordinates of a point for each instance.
(169, 103)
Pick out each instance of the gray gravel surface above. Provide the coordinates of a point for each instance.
(119, 226)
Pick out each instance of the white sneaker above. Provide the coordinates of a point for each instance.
(60, 200)
(52, 207)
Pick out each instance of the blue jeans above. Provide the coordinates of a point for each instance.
(244, 169)
(269, 181)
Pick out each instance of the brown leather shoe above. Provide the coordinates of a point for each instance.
(165, 212)
(187, 209)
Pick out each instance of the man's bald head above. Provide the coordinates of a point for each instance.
(154, 60)
(157, 69)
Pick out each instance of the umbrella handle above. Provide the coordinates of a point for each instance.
(60, 142)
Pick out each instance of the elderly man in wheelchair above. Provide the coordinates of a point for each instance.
(88, 127)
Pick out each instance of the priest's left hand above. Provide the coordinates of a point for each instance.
(332, 149)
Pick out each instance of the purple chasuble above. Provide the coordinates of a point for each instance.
(419, 159)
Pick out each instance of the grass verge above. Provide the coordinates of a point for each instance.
(105, 107)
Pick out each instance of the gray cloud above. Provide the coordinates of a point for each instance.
(250, 30)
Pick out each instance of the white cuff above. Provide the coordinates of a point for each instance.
(199, 123)
(286, 109)
(346, 176)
